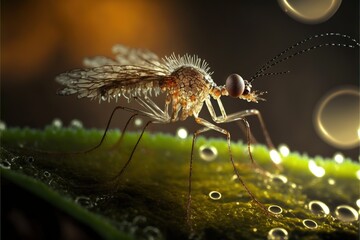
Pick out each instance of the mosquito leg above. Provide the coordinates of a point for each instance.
(122, 134)
(210, 126)
(118, 175)
(188, 205)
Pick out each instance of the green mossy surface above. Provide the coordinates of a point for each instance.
(149, 200)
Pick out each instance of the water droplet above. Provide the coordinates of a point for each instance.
(84, 201)
(339, 157)
(208, 153)
(331, 181)
(57, 123)
(47, 174)
(338, 108)
(2, 126)
(182, 133)
(318, 171)
(75, 123)
(275, 156)
(30, 159)
(284, 150)
(279, 179)
(318, 208)
(138, 122)
(308, 11)
(254, 229)
(310, 223)
(275, 209)
(346, 213)
(5, 164)
(358, 174)
(278, 234)
(215, 195)
(152, 233)
(358, 203)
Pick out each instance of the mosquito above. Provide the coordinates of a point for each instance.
(140, 76)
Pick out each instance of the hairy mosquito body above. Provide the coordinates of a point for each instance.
(139, 75)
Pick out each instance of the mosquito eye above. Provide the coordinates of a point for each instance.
(235, 85)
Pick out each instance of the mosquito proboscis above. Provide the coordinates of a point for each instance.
(140, 75)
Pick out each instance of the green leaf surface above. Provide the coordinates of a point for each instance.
(148, 201)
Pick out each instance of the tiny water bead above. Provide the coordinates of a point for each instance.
(346, 213)
(278, 234)
(331, 181)
(318, 208)
(30, 159)
(339, 157)
(208, 153)
(215, 195)
(310, 223)
(2, 126)
(279, 179)
(84, 201)
(358, 203)
(46, 174)
(138, 122)
(334, 118)
(358, 174)
(57, 123)
(275, 209)
(182, 133)
(75, 123)
(5, 164)
(275, 156)
(310, 11)
(284, 150)
(316, 170)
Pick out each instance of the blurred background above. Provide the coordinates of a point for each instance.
(40, 39)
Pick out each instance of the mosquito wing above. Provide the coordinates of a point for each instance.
(125, 56)
(111, 81)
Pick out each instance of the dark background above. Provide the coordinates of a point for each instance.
(41, 39)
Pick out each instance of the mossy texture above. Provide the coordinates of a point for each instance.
(149, 200)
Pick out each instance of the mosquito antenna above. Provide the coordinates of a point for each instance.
(266, 67)
(329, 34)
(272, 73)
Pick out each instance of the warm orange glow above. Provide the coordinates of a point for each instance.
(45, 31)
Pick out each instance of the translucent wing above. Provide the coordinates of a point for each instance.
(131, 73)
(125, 56)
(112, 81)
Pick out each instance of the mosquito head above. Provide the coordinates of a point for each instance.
(237, 87)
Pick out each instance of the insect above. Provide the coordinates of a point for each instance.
(140, 75)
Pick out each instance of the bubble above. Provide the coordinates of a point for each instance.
(278, 234)
(215, 195)
(152, 233)
(284, 150)
(275, 209)
(315, 169)
(310, 223)
(84, 201)
(47, 174)
(57, 123)
(318, 208)
(5, 164)
(331, 181)
(182, 133)
(2, 126)
(30, 159)
(346, 213)
(208, 153)
(138, 122)
(275, 156)
(75, 123)
(279, 179)
(339, 157)
(334, 118)
(310, 11)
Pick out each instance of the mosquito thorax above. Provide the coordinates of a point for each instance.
(235, 85)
